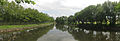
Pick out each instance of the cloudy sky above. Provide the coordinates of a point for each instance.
(57, 8)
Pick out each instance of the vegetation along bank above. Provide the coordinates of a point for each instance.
(107, 13)
(14, 17)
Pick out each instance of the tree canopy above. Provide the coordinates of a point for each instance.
(106, 13)
(12, 12)
(19, 1)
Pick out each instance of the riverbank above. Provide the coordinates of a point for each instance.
(98, 27)
(11, 28)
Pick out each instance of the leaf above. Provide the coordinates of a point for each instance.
(18, 1)
(33, 2)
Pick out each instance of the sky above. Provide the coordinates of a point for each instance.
(57, 8)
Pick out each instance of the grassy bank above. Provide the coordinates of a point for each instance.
(22, 26)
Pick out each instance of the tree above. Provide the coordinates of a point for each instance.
(19, 1)
(15, 14)
(107, 13)
(61, 20)
(25, 1)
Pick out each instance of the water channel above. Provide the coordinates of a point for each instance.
(60, 33)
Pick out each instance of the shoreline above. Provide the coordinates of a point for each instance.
(25, 28)
(100, 27)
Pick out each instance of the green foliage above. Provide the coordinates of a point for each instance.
(19, 1)
(25, 1)
(61, 20)
(11, 12)
(97, 14)
(71, 19)
(117, 7)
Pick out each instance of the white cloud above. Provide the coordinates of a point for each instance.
(82, 3)
(58, 8)
(44, 2)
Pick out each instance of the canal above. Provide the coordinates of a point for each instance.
(60, 33)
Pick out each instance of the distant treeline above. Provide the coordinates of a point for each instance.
(13, 13)
(106, 13)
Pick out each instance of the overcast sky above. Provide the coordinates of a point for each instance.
(57, 8)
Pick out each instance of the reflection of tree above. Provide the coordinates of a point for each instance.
(61, 27)
(65, 27)
(27, 36)
(89, 35)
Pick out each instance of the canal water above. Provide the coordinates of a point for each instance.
(60, 33)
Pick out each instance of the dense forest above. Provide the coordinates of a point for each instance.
(14, 13)
(106, 13)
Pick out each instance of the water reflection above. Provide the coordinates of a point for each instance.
(27, 35)
(56, 35)
(89, 35)
(60, 33)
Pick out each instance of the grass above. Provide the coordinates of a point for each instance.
(21, 26)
